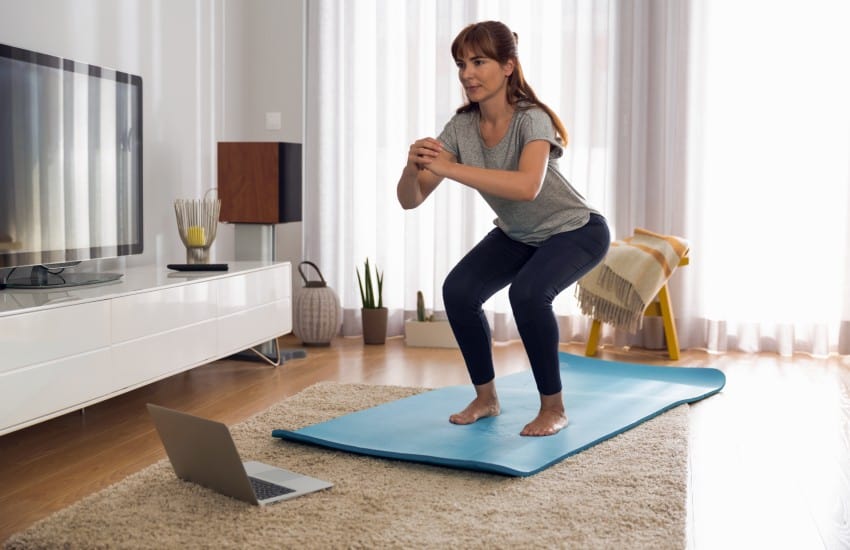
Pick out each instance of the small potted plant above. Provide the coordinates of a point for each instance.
(427, 332)
(373, 313)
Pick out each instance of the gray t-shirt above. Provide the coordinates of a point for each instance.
(557, 208)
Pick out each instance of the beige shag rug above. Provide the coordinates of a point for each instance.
(627, 492)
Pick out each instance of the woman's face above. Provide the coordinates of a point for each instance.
(483, 78)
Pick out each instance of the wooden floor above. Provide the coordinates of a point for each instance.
(769, 464)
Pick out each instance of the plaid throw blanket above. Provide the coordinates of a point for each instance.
(618, 290)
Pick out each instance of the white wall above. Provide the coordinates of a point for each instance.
(210, 70)
(262, 72)
(262, 69)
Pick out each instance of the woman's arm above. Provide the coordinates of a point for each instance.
(416, 182)
(522, 184)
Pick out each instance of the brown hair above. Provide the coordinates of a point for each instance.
(495, 40)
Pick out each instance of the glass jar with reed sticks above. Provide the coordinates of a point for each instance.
(197, 221)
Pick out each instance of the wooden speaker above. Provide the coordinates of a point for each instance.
(259, 182)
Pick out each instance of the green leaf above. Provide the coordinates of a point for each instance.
(367, 288)
(370, 294)
(380, 288)
(360, 284)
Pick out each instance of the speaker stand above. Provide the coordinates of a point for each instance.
(256, 242)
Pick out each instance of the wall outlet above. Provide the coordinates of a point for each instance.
(272, 121)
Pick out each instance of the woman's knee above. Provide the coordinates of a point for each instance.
(456, 293)
(527, 300)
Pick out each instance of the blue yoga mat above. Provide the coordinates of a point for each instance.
(603, 399)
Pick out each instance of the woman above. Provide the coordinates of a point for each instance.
(505, 144)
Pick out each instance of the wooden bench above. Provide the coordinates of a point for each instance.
(659, 307)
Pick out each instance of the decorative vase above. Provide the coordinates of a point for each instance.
(197, 222)
(317, 313)
(374, 325)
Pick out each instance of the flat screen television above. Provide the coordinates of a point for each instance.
(70, 168)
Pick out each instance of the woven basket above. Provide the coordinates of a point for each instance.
(317, 313)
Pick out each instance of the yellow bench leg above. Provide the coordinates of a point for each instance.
(669, 323)
(593, 338)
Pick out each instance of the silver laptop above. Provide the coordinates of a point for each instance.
(203, 451)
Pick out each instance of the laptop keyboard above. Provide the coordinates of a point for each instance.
(264, 489)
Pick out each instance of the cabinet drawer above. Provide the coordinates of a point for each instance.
(148, 313)
(237, 294)
(42, 336)
(153, 357)
(40, 392)
(249, 328)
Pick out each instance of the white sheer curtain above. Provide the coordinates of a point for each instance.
(700, 119)
(769, 147)
(380, 75)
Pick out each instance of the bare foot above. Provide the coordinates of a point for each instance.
(548, 422)
(479, 408)
(551, 419)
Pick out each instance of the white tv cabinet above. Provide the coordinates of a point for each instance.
(64, 349)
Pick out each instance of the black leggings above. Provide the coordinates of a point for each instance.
(536, 275)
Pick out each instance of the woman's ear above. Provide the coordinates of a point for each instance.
(508, 68)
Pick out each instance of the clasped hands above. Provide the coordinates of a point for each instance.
(425, 155)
